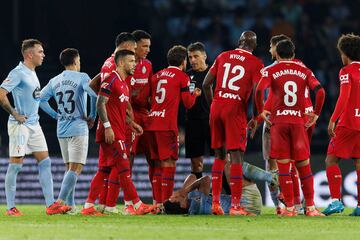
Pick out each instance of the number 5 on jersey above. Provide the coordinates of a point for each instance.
(160, 90)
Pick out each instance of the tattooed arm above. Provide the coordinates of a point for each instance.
(101, 109)
(5, 104)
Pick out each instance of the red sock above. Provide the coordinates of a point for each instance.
(334, 177)
(216, 179)
(286, 183)
(103, 193)
(307, 184)
(156, 184)
(97, 184)
(113, 188)
(358, 186)
(236, 176)
(128, 186)
(295, 179)
(151, 176)
(167, 185)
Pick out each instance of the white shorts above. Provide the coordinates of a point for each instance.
(25, 139)
(74, 149)
(266, 142)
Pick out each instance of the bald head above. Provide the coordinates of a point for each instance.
(247, 40)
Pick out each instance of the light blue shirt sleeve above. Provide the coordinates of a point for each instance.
(11, 81)
(92, 94)
(45, 95)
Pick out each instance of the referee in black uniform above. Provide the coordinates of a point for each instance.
(197, 128)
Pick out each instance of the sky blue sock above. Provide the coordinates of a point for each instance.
(46, 181)
(67, 185)
(10, 183)
(70, 200)
(274, 197)
(256, 174)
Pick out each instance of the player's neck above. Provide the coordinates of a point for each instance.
(122, 74)
(71, 68)
(284, 59)
(29, 65)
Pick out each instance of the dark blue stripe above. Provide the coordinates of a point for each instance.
(168, 179)
(235, 177)
(157, 175)
(184, 89)
(125, 170)
(116, 183)
(218, 172)
(306, 177)
(284, 175)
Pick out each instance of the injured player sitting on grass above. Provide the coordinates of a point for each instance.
(195, 198)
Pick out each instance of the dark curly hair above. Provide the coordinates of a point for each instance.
(349, 44)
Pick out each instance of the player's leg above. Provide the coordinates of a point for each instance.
(251, 198)
(257, 174)
(295, 179)
(216, 179)
(356, 211)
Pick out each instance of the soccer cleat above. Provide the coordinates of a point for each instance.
(313, 212)
(13, 212)
(239, 211)
(299, 209)
(288, 213)
(279, 210)
(111, 210)
(91, 211)
(129, 210)
(144, 209)
(57, 208)
(73, 211)
(100, 208)
(334, 207)
(356, 212)
(216, 209)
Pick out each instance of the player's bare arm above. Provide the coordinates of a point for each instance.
(134, 126)
(5, 104)
(129, 111)
(319, 102)
(207, 86)
(95, 83)
(101, 108)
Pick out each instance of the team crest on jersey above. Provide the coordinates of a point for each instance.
(143, 70)
(344, 78)
(123, 98)
(265, 73)
(132, 81)
(36, 93)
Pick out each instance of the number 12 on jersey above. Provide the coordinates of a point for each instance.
(229, 83)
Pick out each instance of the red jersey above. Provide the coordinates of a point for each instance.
(108, 67)
(141, 86)
(288, 81)
(117, 91)
(236, 73)
(168, 86)
(348, 103)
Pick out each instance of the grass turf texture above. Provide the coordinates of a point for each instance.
(36, 225)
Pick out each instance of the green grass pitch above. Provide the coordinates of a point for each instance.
(36, 225)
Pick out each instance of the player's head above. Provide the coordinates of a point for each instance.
(70, 57)
(32, 51)
(349, 48)
(247, 40)
(176, 56)
(273, 41)
(125, 40)
(285, 49)
(197, 56)
(125, 61)
(174, 208)
(143, 42)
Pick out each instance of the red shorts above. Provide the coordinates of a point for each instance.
(289, 141)
(140, 143)
(112, 154)
(346, 143)
(228, 126)
(163, 144)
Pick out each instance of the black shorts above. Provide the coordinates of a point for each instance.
(197, 138)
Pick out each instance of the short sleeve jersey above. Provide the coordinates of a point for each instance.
(350, 117)
(236, 73)
(24, 85)
(288, 81)
(166, 88)
(117, 91)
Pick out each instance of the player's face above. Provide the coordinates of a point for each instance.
(197, 60)
(178, 197)
(131, 46)
(129, 64)
(37, 55)
(272, 51)
(143, 48)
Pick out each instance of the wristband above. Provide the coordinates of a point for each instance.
(106, 124)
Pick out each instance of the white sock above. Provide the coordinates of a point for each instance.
(88, 205)
(128, 203)
(137, 205)
(335, 199)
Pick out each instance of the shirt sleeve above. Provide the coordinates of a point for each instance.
(106, 86)
(257, 72)
(45, 94)
(85, 85)
(187, 98)
(345, 89)
(214, 67)
(312, 82)
(11, 81)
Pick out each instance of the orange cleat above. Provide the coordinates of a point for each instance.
(217, 209)
(144, 209)
(129, 210)
(313, 212)
(57, 208)
(288, 213)
(91, 211)
(13, 212)
(239, 211)
(279, 210)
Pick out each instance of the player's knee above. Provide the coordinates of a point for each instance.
(220, 153)
(331, 160)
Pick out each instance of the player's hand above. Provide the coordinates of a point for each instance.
(20, 118)
(253, 126)
(312, 119)
(109, 135)
(331, 128)
(197, 92)
(137, 128)
(265, 115)
(90, 122)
